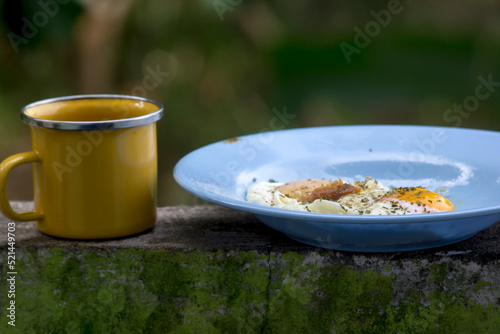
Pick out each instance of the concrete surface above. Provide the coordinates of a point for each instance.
(207, 269)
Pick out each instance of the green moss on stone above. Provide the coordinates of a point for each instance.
(481, 285)
(355, 301)
(225, 291)
(61, 293)
(137, 291)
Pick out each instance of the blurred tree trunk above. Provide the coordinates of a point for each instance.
(98, 37)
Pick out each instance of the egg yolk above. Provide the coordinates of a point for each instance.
(421, 197)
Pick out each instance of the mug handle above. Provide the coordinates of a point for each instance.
(5, 168)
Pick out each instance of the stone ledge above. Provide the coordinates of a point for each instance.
(208, 269)
(214, 228)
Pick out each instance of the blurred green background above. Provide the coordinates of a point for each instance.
(222, 66)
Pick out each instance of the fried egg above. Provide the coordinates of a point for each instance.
(369, 197)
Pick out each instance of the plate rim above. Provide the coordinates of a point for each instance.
(256, 209)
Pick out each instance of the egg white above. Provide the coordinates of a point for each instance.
(264, 193)
(365, 202)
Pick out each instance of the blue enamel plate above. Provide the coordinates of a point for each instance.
(461, 164)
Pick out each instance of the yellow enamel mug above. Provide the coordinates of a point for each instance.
(94, 166)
